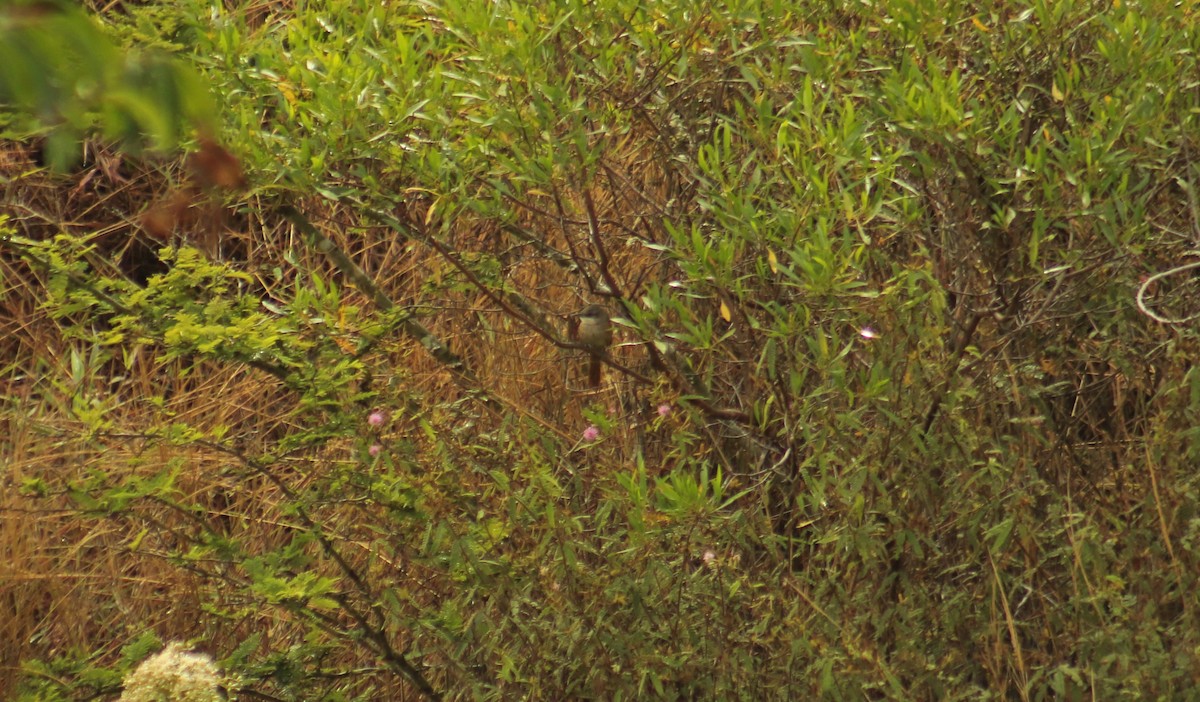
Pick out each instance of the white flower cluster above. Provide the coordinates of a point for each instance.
(173, 675)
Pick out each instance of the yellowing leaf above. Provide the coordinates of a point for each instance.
(725, 313)
(287, 92)
(979, 25)
(772, 261)
(1056, 93)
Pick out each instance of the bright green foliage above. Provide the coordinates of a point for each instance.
(57, 65)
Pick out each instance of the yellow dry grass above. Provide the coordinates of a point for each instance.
(90, 584)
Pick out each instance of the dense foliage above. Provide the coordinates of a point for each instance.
(902, 403)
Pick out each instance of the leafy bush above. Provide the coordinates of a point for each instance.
(902, 404)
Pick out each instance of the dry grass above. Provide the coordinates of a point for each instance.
(79, 584)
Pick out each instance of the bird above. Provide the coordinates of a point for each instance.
(595, 333)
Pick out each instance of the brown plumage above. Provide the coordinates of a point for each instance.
(595, 332)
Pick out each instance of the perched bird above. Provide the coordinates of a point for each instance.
(595, 332)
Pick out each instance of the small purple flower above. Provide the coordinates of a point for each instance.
(664, 409)
(374, 450)
(591, 433)
(375, 419)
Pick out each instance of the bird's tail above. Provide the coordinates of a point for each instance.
(594, 371)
